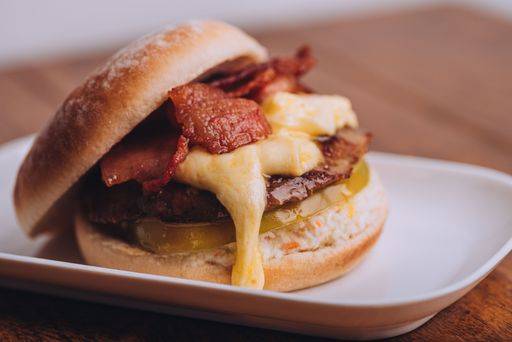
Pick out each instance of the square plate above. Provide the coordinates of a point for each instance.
(450, 224)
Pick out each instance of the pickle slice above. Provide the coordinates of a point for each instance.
(165, 238)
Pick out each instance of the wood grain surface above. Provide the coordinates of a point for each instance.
(435, 82)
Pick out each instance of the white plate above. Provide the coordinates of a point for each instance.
(450, 224)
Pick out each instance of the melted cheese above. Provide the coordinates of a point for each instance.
(238, 178)
(308, 113)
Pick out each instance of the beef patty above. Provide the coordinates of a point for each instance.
(178, 202)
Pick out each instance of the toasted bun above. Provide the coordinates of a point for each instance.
(110, 103)
(302, 255)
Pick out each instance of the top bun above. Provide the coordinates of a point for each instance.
(110, 103)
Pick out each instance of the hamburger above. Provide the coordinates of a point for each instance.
(192, 154)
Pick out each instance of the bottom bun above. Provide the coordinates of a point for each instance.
(304, 254)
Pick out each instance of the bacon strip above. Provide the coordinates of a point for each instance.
(298, 65)
(260, 80)
(140, 157)
(210, 118)
(264, 77)
(230, 80)
(178, 157)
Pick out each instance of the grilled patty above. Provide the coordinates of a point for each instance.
(182, 203)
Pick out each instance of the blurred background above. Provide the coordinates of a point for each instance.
(427, 77)
(32, 28)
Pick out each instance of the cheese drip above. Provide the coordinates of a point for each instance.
(238, 178)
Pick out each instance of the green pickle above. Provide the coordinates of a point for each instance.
(164, 238)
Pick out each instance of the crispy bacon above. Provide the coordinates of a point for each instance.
(140, 157)
(260, 80)
(285, 83)
(298, 65)
(232, 80)
(210, 118)
(178, 157)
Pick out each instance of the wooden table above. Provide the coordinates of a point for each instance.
(434, 83)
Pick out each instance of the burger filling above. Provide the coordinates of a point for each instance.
(227, 158)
